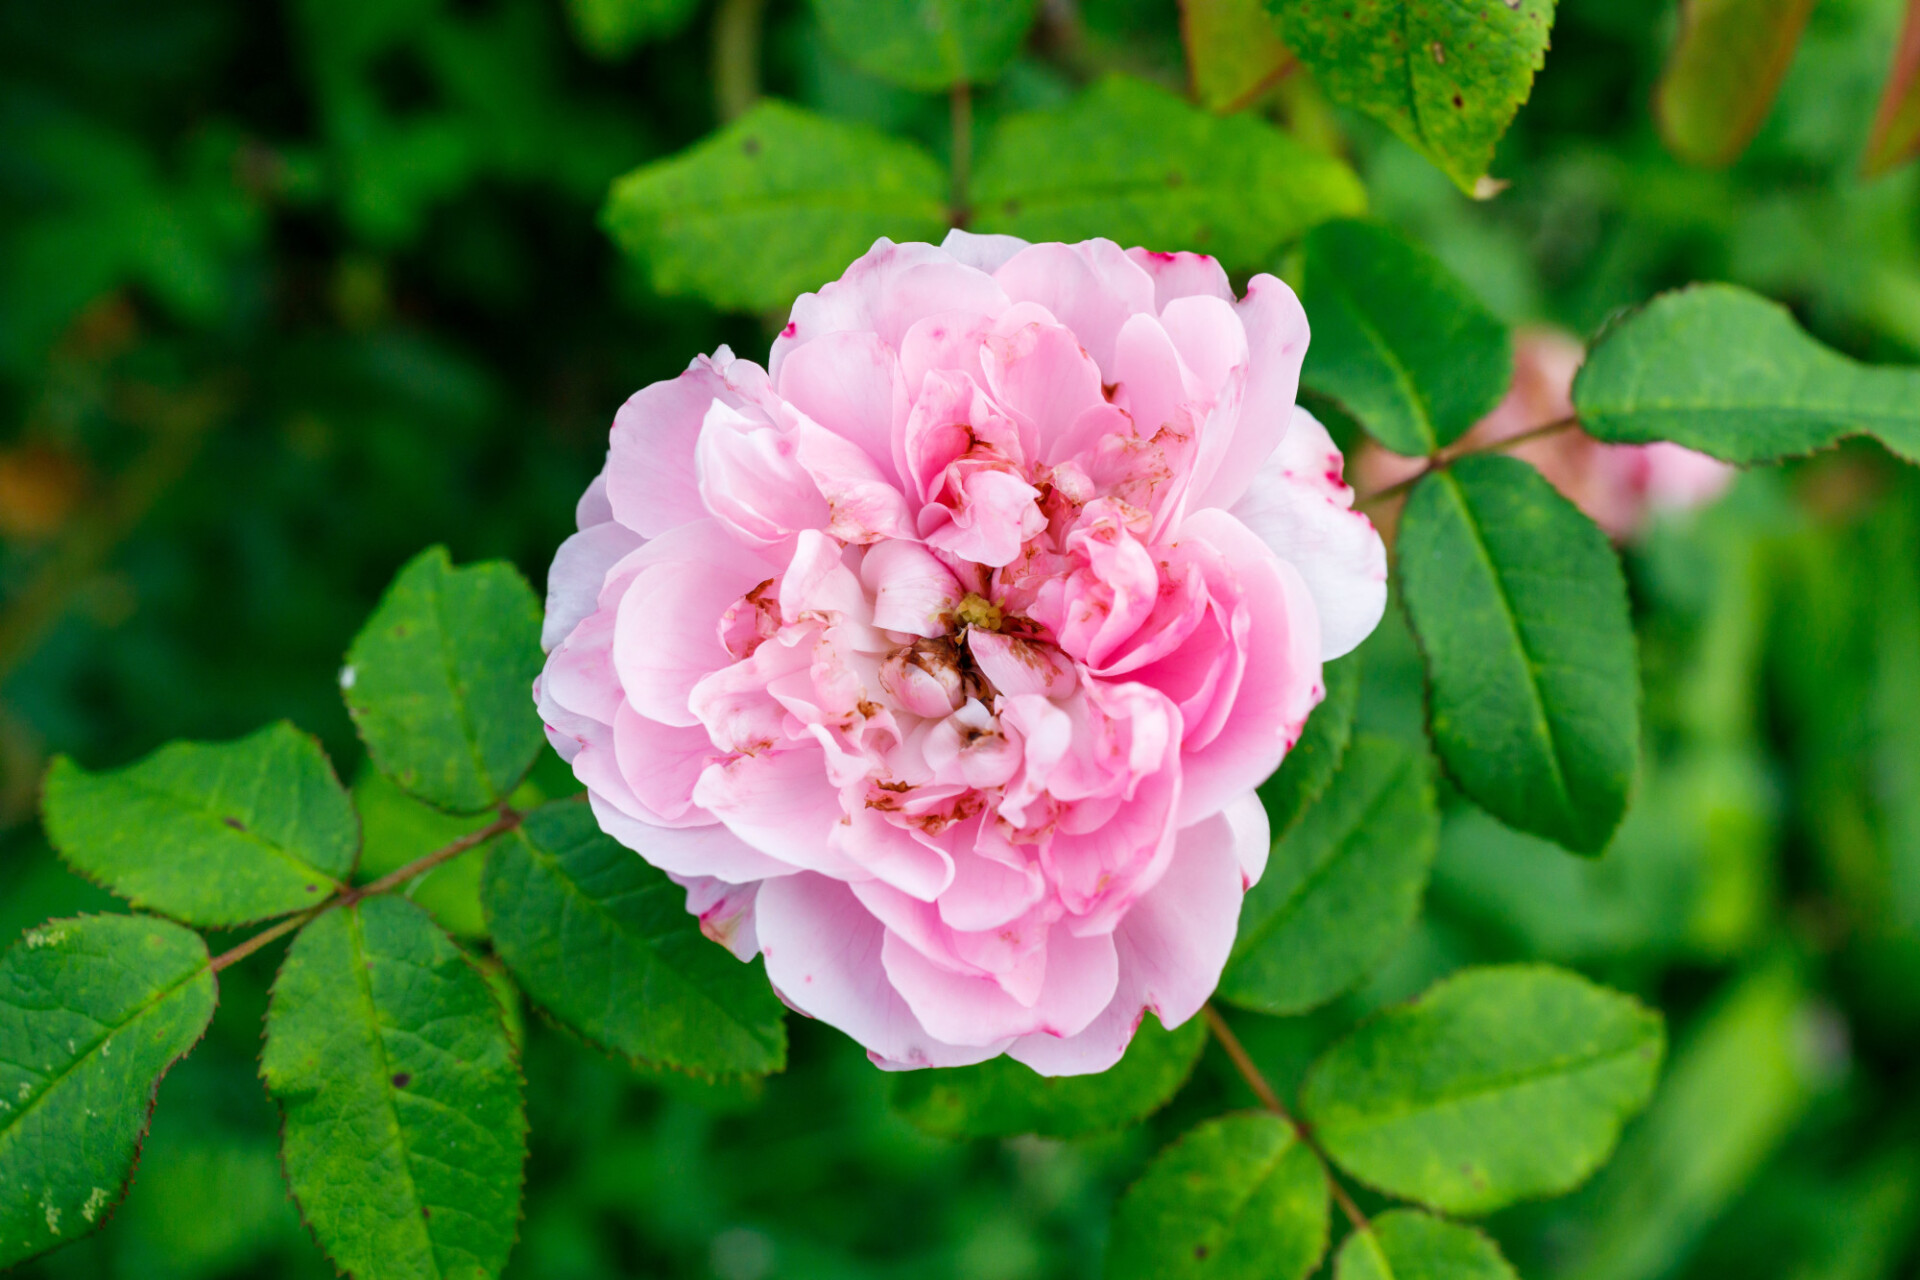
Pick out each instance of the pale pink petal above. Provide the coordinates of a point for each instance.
(1302, 509)
(661, 763)
(823, 955)
(667, 634)
(1090, 287)
(947, 342)
(957, 1009)
(688, 851)
(1038, 372)
(884, 292)
(1280, 687)
(1209, 337)
(997, 513)
(1181, 275)
(986, 253)
(579, 571)
(651, 481)
(782, 804)
(1277, 333)
(850, 383)
(1171, 948)
(725, 912)
(891, 854)
(752, 482)
(863, 503)
(1017, 666)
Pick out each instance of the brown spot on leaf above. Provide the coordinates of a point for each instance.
(401, 1080)
(750, 145)
(235, 823)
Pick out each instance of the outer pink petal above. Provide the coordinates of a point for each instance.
(1282, 681)
(1171, 947)
(1081, 974)
(984, 253)
(782, 804)
(1181, 275)
(1300, 507)
(863, 502)
(1092, 288)
(725, 912)
(851, 384)
(752, 482)
(1037, 371)
(651, 483)
(579, 571)
(884, 292)
(661, 763)
(1277, 336)
(822, 949)
(667, 635)
(688, 851)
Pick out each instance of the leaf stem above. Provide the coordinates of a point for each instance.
(1446, 457)
(736, 56)
(1244, 1064)
(960, 101)
(507, 821)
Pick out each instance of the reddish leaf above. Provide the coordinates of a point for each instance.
(1896, 127)
(1720, 80)
(1233, 51)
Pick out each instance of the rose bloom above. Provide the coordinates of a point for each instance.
(1620, 486)
(940, 658)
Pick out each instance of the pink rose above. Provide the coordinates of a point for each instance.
(939, 660)
(1620, 486)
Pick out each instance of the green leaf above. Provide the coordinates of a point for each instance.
(1896, 125)
(1311, 762)
(1521, 610)
(437, 681)
(1000, 1097)
(775, 204)
(215, 834)
(399, 829)
(1729, 373)
(614, 28)
(1341, 887)
(404, 1128)
(930, 45)
(1234, 51)
(1740, 1083)
(1406, 1244)
(1447, 76)
(92, 1013)
(602, 941)
(1238, 1198)
(1728, 59)
(1135, 164)
(1399, 342)
(1495, 1085)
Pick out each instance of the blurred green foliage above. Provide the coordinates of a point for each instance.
(290, 290)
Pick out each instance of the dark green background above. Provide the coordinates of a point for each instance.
(289, 290)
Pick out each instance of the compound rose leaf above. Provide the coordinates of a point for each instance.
(1341, 887)
(1238, 1198)
(1133, 163)
(437, 681)
(928, 45)
(1520, 608)
(1400, 343)
(1718, 369)
(1448, 76)
(602, 941)
(93, 1011)
(775, 204)
(215, 834)
(405, 1130)
(1406, 1244)
(1495, 1085)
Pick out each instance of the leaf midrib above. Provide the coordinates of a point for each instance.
(1543, 724)
(212, 814)
(80, 1058)
(1368, 1121)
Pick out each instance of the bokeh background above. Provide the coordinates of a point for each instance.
(290, 289)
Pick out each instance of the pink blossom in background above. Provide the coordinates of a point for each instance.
(1621, 486)
(939, 659)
